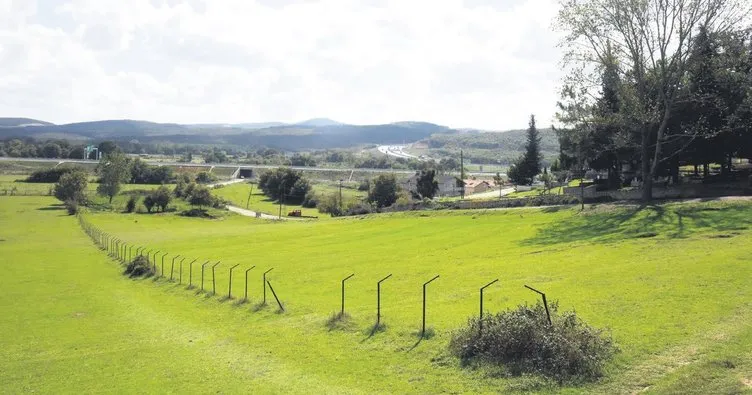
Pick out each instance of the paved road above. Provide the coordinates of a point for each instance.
(396, 151)
(250, 213)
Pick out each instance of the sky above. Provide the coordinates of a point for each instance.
(461, 63)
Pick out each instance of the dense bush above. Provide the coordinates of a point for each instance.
(364, 185)
(51, 175)
(130, 206)
(139, 267)
(71, 186)
(284, 182)
(205, 178)
(383, 191)
(162, 197)
(522, 342)
(142, 173)
(311, 199)
(149, 202)
(329, 204)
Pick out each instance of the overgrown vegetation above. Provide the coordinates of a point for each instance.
(523, 342)
(284, 183)
(139, 267)
(71, 186)
(51, 175)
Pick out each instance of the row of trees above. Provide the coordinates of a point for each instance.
(654, 85)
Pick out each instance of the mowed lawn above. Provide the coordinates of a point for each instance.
(672, 282)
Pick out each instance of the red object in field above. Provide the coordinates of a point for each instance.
(295, 213)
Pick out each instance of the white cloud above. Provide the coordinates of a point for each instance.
(469, 63)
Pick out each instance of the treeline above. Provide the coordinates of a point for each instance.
(675, 89)
(62, 149)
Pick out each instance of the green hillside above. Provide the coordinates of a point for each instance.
(671, 282)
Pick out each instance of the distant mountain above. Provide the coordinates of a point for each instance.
(21, 122)
(317, 122)
(318, 133)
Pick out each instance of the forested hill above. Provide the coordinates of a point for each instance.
(319, 133)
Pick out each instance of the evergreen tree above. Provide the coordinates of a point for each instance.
(426, 184)
(525, 168)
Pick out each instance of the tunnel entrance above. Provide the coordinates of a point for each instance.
(245, 173)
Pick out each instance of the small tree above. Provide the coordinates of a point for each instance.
(162, 197)
(205, 177)
(201, 197)
(384, 190)
(149, 202)
(113, 170)
(71, 186)
(130, 206)
(179, 190)
(426, 184)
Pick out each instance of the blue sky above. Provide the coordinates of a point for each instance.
(472, 63)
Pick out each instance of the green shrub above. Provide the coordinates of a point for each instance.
(149, 202)
(130, 206)
(311, 199)
(205, 178)
(139, 267)
(51, 175)
(523, 342)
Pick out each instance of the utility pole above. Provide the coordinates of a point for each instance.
(462, 174)
(248, 202)
(340, 194)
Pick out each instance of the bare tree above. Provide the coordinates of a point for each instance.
(651, 42)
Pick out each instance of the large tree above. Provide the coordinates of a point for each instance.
(651, 42)
(113, 170)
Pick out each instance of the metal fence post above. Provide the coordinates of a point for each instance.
(202, 274)
(342, 310)
(378, 299)
(545, 303)
(214, 282)
(423, 327)
(264, 278)
(229, 287)
(480, 322)
(173, 263)
(275, 297)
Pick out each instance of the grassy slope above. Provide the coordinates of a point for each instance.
(238, 195)
(678, 304)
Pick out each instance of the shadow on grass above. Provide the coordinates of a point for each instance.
(429, 333)
(52, 207)
(373, 330)
(619, 222)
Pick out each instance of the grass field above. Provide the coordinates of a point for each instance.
(671, 282)
(238, 195)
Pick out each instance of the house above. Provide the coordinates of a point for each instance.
(473, 186)
(447, 185)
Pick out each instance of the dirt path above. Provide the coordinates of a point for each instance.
(250, 213)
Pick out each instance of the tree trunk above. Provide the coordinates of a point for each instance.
(647, 179)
